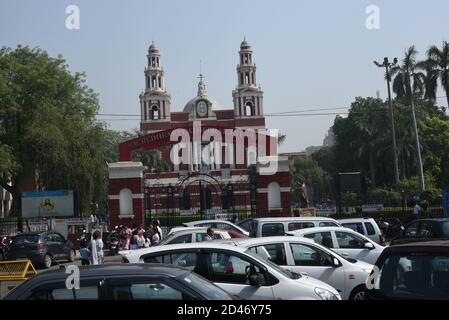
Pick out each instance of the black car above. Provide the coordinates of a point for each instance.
(120, 282)
(423, 230)
(411, 271)
(42, 248)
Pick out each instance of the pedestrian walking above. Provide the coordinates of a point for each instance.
(96, 245)
(156, 237)
(140, 239)
(126, 234)
(157, 223)
(417, 210)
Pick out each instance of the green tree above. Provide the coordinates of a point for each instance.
(309, 171)
(435, 142)
(48, 116)
(439, 60)
(403, 73)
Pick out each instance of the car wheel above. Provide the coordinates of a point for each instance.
(48, 261)
(358, 293)
(72, 256)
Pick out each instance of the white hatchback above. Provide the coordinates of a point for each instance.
(237, 270)
(216, 224)
(304, 256)
(344, 241)
(192, 234)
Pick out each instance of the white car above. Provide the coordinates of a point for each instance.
(236, 270)
(192, 234)
(366, 226)
(304, 256)
(279, 226)
(344, 241)
(217, 224)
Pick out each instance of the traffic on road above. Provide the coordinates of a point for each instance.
(313, 262)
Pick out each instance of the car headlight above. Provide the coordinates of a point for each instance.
(326, 294)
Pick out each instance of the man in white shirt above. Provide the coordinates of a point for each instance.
(210, 235)
(417, 211)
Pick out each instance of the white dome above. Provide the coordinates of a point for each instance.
(215, 105)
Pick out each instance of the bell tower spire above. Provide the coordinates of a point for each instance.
(248, 96)
(155, 100)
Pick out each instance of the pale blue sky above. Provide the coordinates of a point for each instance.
(309, 54)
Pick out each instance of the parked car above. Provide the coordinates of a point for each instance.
(121, 282)
(237, 270)
(344, 241)
(245, 224)
(192, 234)
(306, 257)
(279, 226)
(423, 230)
(365, 226)
(42, 248)
(413, 271)
(216, 224)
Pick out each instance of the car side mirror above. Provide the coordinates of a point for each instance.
(336, 263)
(368, 245)
(256, 279)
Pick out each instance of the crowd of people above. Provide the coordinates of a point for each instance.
(138, 237)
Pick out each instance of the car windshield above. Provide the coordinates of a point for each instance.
(26, 239)
(286, 273)
(414, 276)
(205, 287)
(166, 240)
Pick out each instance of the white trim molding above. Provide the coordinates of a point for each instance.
(134, 196)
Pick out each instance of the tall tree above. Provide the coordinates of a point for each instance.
(402, 74)
(439, 59)
(48, 116)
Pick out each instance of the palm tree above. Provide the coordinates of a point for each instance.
(429, 79)
(440, 61)
(403, 73)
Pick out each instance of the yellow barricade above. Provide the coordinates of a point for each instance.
(16, 270)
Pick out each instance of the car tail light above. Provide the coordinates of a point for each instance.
(40, 246)
(124, 260)
(229, 267)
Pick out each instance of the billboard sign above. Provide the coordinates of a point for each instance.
(47, 204)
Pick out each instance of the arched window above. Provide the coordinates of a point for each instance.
(126, 202)
(249, 110)
(274, 195)
(154, 112)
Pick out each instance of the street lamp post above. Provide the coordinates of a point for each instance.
(386, 64)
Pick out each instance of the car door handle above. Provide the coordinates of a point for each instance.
(304, 273)
(344, 254)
